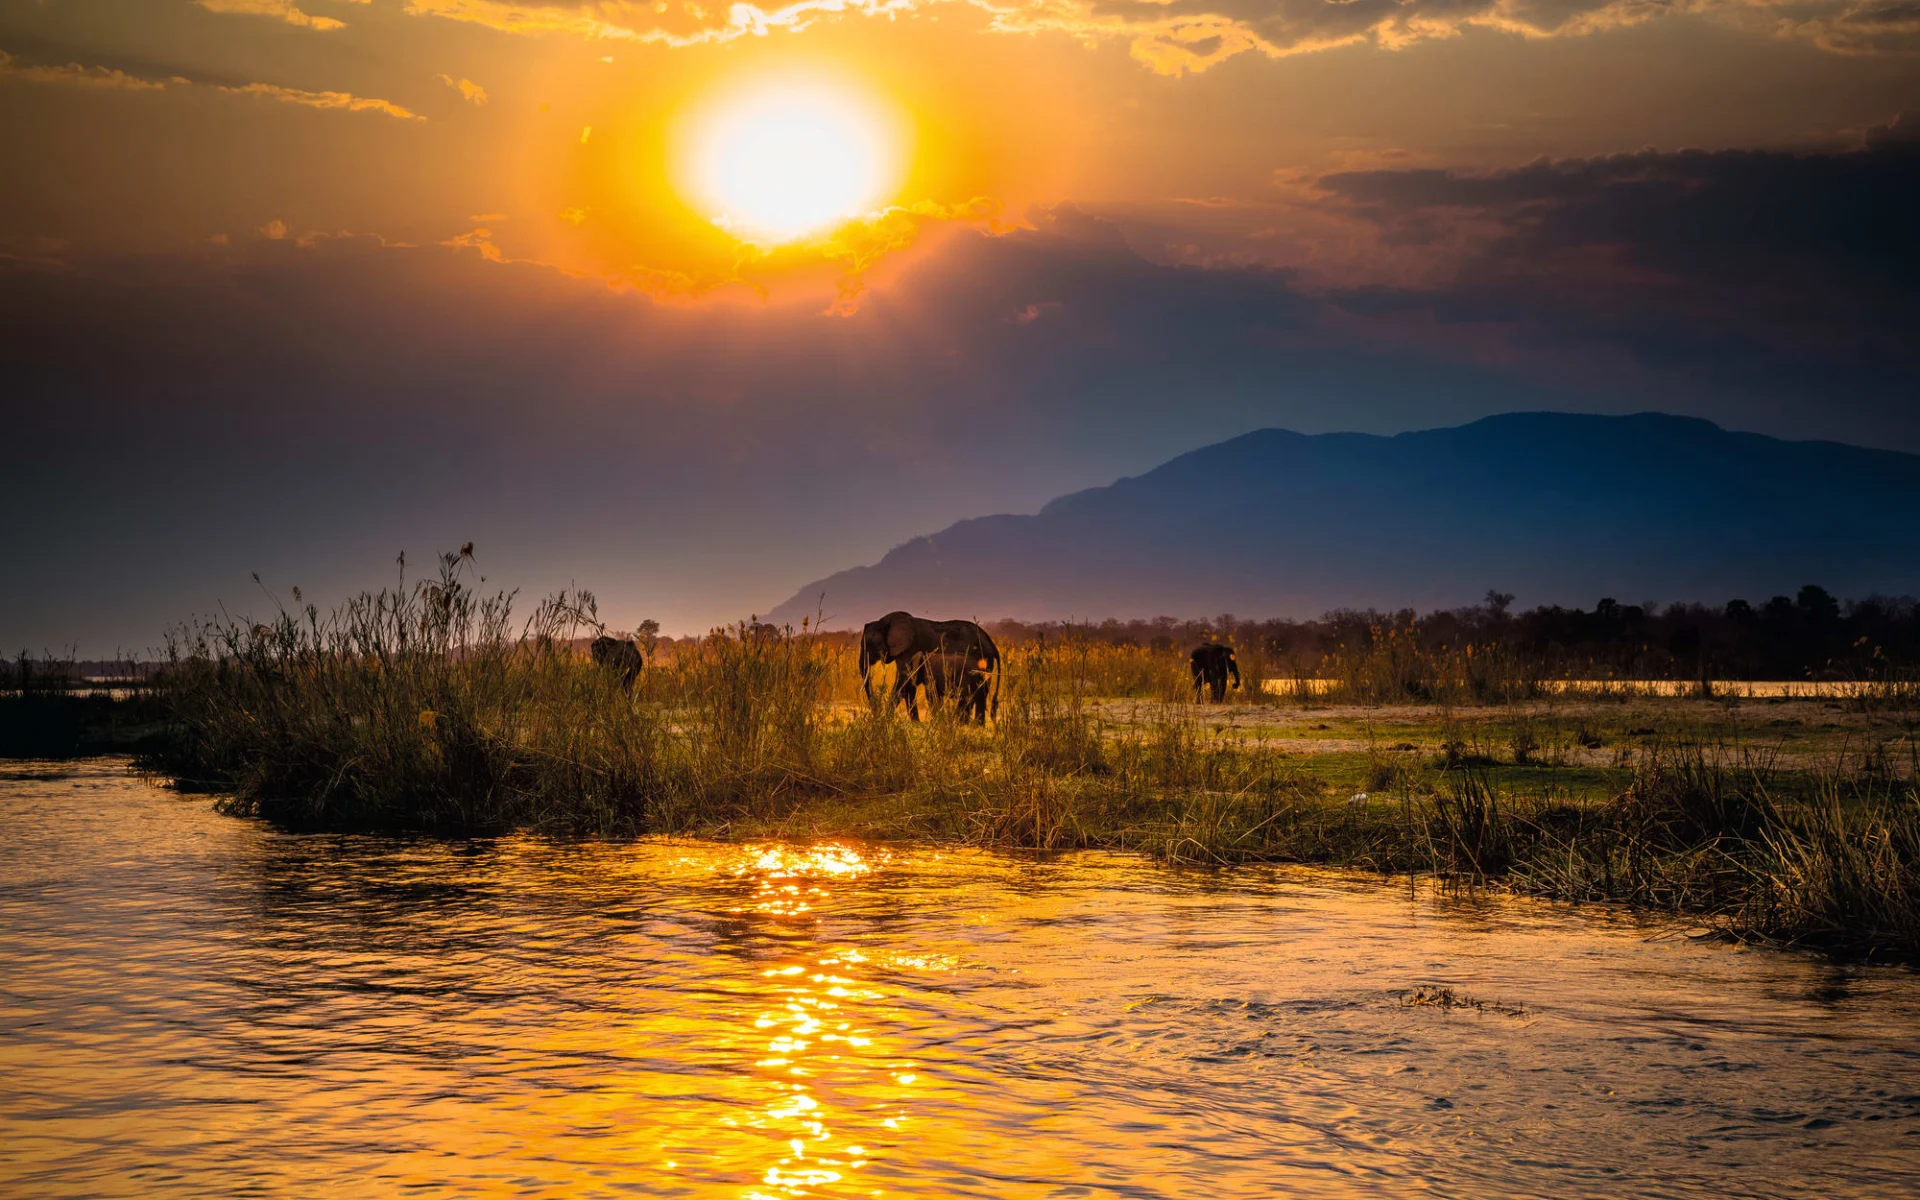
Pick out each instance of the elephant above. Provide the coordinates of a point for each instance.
(967, 677)
(968, 666)
(619, 656)
(956, 656)
(1211, 665)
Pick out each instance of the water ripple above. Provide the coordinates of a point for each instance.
(192, 1005)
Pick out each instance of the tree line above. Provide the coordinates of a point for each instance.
(1812, 634)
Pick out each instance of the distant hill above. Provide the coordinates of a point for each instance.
(1557, 508)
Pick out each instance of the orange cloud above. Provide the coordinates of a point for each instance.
(480, 240)
(283, 10)
(855, 248)
(343, 100)
(470, 91)
(76, 75)
(833, 267)
(653, 22)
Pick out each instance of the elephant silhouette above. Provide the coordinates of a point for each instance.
(946, 657)
(619, 656)
(1211, 666)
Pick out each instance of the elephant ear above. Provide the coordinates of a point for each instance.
(899, 637)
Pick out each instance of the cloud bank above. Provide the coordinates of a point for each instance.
(1177, 37)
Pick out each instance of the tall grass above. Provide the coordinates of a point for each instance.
(432, 706)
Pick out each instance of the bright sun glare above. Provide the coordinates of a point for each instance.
(783, 160)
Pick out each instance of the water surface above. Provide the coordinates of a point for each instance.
(193, 1005)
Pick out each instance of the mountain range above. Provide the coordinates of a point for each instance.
(1557, 508)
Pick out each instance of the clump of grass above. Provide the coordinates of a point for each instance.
(1442, 997)
(1523, 742)
(1475, 840)
(430, 707)
(1840, 874)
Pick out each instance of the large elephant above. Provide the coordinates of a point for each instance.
(620, 656)
(946, 656)
(1211, 665)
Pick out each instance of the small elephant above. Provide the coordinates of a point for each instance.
(968, 678)
(1212, 665)
(956, 656)
(619, 656)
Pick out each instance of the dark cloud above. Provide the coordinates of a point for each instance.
(1903, 130)
(1291, 24)
(1203, 28)
(1891, 27)
(1755, 267)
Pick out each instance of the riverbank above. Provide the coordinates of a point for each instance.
(1793, 826)
(1787, 820)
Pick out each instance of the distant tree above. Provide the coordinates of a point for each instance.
(1498, 603)
(1818, 603)
(1739, 612)
(1684, 644)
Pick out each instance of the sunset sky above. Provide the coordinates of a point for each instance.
(290, 286)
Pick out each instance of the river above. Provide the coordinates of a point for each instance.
(195, 1005)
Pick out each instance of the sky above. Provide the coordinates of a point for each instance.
(691, 303)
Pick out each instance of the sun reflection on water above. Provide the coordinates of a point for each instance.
(831, 1081)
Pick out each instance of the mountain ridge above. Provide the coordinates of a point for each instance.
(1556, 507)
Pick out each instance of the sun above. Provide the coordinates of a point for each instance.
(781, 159)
